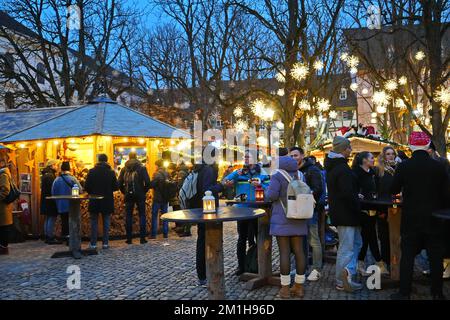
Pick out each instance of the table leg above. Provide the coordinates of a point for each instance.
(75, 228)
(394, 219)
(264, 275)
(214, 261)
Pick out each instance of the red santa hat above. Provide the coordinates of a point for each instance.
(419, 140)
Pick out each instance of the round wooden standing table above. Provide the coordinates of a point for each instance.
(264, 247)
(74, 225)
(394, 221)
(214, 239)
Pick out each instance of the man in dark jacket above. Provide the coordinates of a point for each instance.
(423, 183)
(48, 206)
(313, 178)
(101, 180)
(206, 181)
(134, 183)
(345, 212)
(160, 199)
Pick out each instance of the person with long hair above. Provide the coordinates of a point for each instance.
(290, 233)
(385, 171)
(363, 167)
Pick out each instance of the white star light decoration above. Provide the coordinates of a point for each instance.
(304, 105)
(240, 126)
(400, 104)
(420, 55)
(238, 112)
(258, 107)
(333, 114)
(402, 80)
(390, 85)
(299, 71)
(214, 116)
(380, 98)
(323, 105)
(312, 121)
(443, 96)
(354, 86)
(318, 65)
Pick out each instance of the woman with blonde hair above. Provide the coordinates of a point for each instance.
(387, 164)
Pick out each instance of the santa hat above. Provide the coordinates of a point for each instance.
(419, 141)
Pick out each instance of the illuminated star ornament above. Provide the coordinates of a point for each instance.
(299, 71)
(443, 96)
(420, 55)
(238, 112)
(281, 76)
(30, 164)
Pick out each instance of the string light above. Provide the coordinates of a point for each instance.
(141, 140)
(22, 146)
(55, 142)
(39, 144)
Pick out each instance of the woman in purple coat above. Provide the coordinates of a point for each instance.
(289, 232)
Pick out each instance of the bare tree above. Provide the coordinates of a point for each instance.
(56, 63)
(415, 35)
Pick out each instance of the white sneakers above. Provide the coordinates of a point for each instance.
(314, 275)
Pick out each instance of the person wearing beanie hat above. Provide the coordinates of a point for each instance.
(345, 212)
(423, 183)
(101, 180)
(63, 186)
(48, 206)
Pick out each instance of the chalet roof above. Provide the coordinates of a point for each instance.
(101, 117)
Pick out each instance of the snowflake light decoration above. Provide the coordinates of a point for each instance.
(390, 85)
(400, 104)
(419, 56)
(323, 105)
(380, 98)
(333, 114)
(241, 126)
(312, 121)
(280, 92)
(354, 86)
(402, 80)
(258, 107)
(304, 105)
(443, 96)
(238, 112)
(281, 76)
(299, 71)
(318, 65)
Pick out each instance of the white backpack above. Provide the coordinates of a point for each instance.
(300, 200)
(188, 189)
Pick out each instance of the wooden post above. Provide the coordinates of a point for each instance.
(264, 246)
(74, 226)
(394, 219)
(214, 261)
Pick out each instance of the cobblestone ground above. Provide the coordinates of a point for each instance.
(161, 269)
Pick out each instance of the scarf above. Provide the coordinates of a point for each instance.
(388, 166)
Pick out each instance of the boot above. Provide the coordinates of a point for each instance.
(284, 292)
(297, 290)
(383, 269)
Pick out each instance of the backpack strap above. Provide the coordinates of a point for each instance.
(71, 186)
(285, 175)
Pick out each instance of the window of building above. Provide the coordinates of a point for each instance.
(347, 115)
(41, 70)
(343, 94)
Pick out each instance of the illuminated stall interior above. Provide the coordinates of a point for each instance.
(78, 134)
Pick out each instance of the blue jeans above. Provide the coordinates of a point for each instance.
(314, 242)
(129, 207)
(94, 228)
(156, 207)
(49, 226)
(350, 243)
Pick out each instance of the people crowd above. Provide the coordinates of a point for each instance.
(341, 189)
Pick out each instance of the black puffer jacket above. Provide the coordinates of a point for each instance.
(142, 182)
(101, 180)
(48, 207)
(384, 183)
(343, 190)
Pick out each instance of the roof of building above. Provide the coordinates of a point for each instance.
(100, 117)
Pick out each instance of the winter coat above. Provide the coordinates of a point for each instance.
(178, 178)
(63, 186)
(101, 180)
(241, 179)
(6, 217)
(277, 190)
(366, 184)
(157, 184)
(313, 178)
(423, 183)
(206, 181)
(143, 180)
(48, 206)
(342, 185)
(384, 184)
